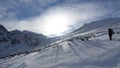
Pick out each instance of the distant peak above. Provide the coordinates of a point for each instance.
(3, 29)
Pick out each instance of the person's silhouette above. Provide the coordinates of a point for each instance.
(110, 33)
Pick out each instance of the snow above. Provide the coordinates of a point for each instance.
(98, 52)
(97, 25)
(14, 42)
(95, 51)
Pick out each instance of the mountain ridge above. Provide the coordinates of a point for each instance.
(105, 23)
(16, 41)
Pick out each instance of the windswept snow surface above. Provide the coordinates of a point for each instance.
(97, 52)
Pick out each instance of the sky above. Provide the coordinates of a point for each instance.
(54, 17)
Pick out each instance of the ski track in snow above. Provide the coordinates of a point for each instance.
(57, 50)
(73, 48)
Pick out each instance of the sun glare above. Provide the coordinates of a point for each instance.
(56, 24)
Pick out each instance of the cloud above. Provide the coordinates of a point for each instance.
(23, 9)
(32, 15)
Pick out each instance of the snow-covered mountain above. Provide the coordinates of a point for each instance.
(3, 29)
(90, 49)
(12, 42)
(104, 23)
(3, 34)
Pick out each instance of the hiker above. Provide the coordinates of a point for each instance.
(110, 33)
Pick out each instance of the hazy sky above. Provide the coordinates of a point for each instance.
(54, 17)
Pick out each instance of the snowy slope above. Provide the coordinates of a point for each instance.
(97, 52)
(72, 52)
(104, 23)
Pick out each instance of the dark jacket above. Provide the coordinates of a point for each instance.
(110, 32)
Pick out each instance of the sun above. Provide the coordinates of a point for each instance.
(57, 24)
